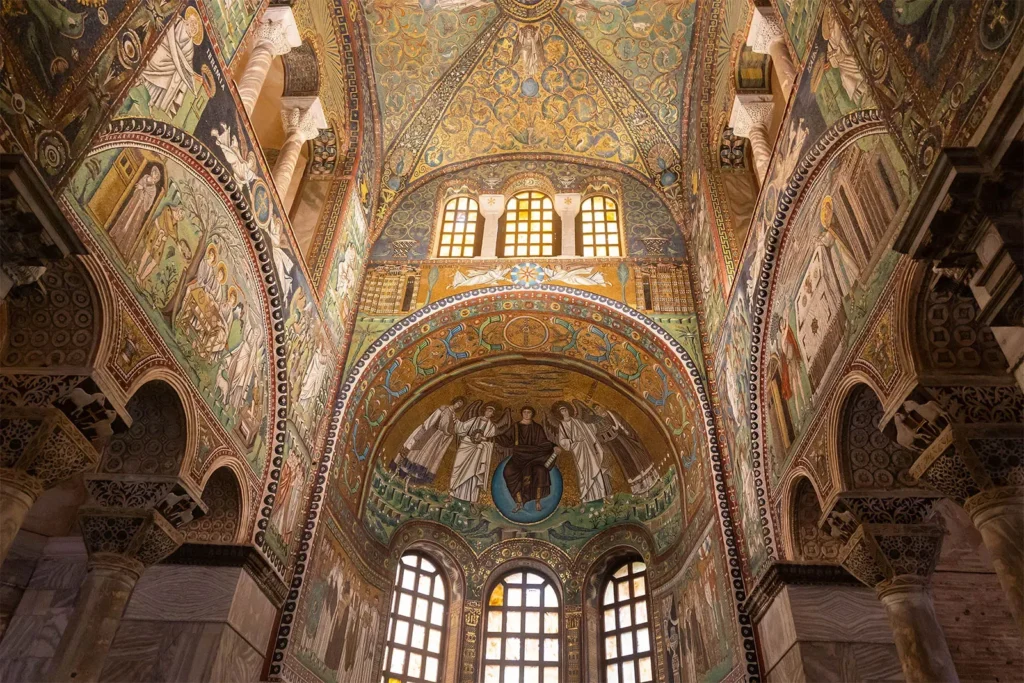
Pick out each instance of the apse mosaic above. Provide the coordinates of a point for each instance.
(456, 338)
(528, 446)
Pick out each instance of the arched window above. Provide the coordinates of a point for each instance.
(460, 229)
(625, 627)
(529, 226)
(523, 623)
(417, 625)
(598, 228)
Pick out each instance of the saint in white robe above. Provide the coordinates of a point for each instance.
(577, 436)
(473, 457)
(169, 72)
(428, 443)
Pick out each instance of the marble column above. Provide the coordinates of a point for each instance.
(919, 639)
(303, 117)
(766, 37)
(101, 602)
(18, 492)
(492, 206)
(121, 541)
(276, 34)
(999, 517)
(892, 545)
(568, 207)
(983, 485)
(751, 115)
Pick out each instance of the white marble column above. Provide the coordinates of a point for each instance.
(766, 37)
(568, 207)
(303, 117)
(751, 115)
(276, 34)
(491, 208)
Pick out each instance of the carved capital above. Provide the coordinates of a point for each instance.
(43, 443)
(765, 28)
(880, 553)
(968, 459)
(751, 113)
(277, 31)
(177, 502)
(144, 536)
(302, 117)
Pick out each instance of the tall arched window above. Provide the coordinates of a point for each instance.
(598, 228)
(417, 625)
(529, 226)
(460, 229)
(625, 627)
(523, 624)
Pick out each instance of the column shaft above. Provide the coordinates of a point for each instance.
(251, 83)
(920, 642)
(783, 64)
(18, 492)
(760, 149)
(101, 602)
(1001, 523)
(284, 169)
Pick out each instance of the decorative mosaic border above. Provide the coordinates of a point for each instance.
(380, 346)
(832, 142)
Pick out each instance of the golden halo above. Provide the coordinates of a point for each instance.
(197, 35)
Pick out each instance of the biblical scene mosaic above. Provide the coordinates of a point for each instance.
(525, 445)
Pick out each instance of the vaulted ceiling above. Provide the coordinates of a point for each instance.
(458, 80)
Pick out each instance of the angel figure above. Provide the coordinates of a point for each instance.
(475, 432)
(618, 438)
(478, 278)
(580, 438)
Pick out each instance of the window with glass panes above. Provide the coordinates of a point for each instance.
(460, 225)
(523, 623)
(529, 226)
(417, 626)
(599, 227)
(626, 630)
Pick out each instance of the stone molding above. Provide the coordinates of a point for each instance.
(782, 574)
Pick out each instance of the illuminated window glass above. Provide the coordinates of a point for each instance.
(625, 627)
(460, 229)
(529, 226)
(417, 625)
(599, 227)
(521, 643)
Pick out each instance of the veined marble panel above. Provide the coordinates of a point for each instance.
(169, 592)
(817, 662)
(252, 613)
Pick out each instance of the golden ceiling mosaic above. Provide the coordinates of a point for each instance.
(592, 79)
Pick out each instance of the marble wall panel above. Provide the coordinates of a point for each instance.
(16, 573)
(821, 614)
(44, 609)
(818, 662)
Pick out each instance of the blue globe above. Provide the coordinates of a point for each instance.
(530, 87)
(528, 515)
